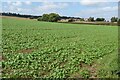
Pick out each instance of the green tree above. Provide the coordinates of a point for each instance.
(82, 19)
(114, 19)
(53, 17)
(45, 17)
(100, 19)
(91, 19)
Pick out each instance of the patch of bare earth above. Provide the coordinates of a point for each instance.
(91, 68)
(19, 18)
(76, 75)
(63, 63)
(30, 50)
(47, 29)
(2, 58)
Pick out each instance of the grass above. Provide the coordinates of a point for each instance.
(57, 50)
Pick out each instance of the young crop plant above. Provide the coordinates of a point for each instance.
(35, 49)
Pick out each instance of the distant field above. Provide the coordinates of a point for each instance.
(57, 50)
(92, 23)
(12, 17)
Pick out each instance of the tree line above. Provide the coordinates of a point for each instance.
(32, 16)
(19, 15)
(91, 19)
(53, 17)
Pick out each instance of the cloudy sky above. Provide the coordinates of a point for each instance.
(82, 8)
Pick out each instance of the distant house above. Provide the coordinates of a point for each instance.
(76, 19)
(64, 20)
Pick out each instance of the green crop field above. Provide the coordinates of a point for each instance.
(58, 50)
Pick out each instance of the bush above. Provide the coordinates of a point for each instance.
(71, 20)
(39, 19)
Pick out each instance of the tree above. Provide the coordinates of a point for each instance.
(100, 19)
(114, 19)
(45, 17)
(53, 17)
(20, 15)
(82, 19)
(91, 19)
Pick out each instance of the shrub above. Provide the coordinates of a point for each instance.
(71, 20)
(39, 19)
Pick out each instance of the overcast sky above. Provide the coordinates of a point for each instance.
(83, 8)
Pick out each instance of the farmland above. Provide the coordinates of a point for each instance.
(57, 50)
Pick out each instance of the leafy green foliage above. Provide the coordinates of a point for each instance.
(85, 74)
(52, 17)
(114, 19)
(45, 17)
(53, 50)
(100, 19)
(91, 19)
